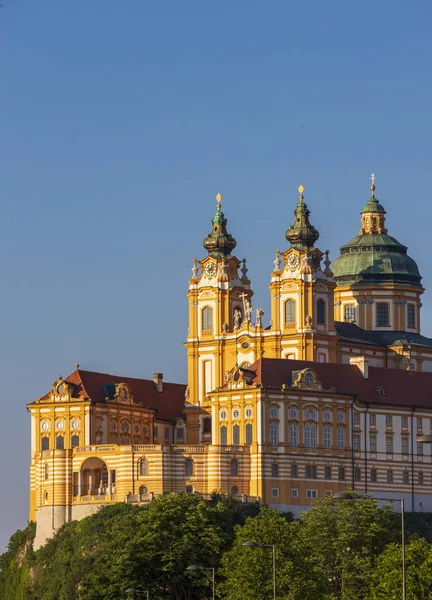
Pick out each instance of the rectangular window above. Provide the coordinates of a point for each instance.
(290, 311)
(411, 315)
(420, 423)
(356, 443)
(405, 477)
(356, 418)
(156, 433)
(180, 435)
(404, 445)
(294, 493)
(382, 314)
(404, 422)
(341, 475)
(166, 434)
(327, 472)
(349, 312)
(275, 492)
(274, 470)
(249, 434)
(373, 474)
(321, 311)
(388, 421)
(311, 494)
(372, 443)
(294, 471)
(420, 478)
(372, 420)
(389, 445)
(419, 449)
(223, 435)
(389, 476)
(207, 318)
(357, 474)
(311, 472)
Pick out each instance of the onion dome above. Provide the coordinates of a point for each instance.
(219, 242)
(301, 234)
(373, 257)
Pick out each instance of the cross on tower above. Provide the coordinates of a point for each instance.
(373, 178)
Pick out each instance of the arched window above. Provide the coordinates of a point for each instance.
(234, 467)
(75, 441)
(274, 434)
(293, 435)
(189, 467)
(321, 311)
(249, 434)
(207, 425)
(45, 443)
(143, 490)
(143, 466)
(341, 438)
(207, 318)
(327, 437)
(234, 491)
(46, 472)
(236, 435)
(290, 311)
(60, 442)
(411, 315)
(310, 436)
(223, 435)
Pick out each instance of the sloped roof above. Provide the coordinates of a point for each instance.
(403, 388)
(95, 386)
(351, 333)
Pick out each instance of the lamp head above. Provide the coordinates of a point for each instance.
(194, 568)
(251, 544)
(344, 496)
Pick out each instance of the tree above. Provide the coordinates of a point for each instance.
(387, 578)
(248, 572)
(344, 538)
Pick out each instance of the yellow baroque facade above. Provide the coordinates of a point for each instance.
(333, 391)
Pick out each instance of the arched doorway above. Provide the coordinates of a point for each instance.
(95, 479)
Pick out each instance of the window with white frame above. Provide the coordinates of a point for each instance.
(341, 416)
(382, 314)
(310, 436)
(248, 430)
(349, 312)
(341, 438)
(372, 443)
(248, 413)
(223, 415)
(236, 413)
(356, 418)
(311, 494)
(372, 420)
(207, 318)
(309, 378)
(294, 493)
(411, 315)
(356, 443)
(388, 421)
(274, 412)
(404, 445)
(327, 415)
(389, 445)
(327, 438)
(275, 492)
(310, 414)
(293, 435)
(293, 413)
(274, 434)
(290, 311)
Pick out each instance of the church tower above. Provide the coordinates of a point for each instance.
(378, 284)
(302, 296)
(220, 313)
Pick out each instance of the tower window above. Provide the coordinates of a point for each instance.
(189, 467)
(236, 435)
(290, 311)
(207, 318)
(75, 441)
(60, 442)
(382, 314)
(293, 435)
(45, 443)
(327, 438)
(349, 312)
(223, 435)
(274, 434)
(249, 434)
(207, 425)
(411, 315)
(321, 311)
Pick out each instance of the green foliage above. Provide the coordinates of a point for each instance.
(248, 571)
(344, 539)
(339, 550)
(387, 578)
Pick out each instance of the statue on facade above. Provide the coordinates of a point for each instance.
(248, 311)
(237, 319)
(258, 316)
(277, 262)
(195, 269)
(225, 328)
(187, 393)
(309, 321)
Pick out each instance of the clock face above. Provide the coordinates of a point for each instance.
(45, 426)
(210, 269)
(75, 424)
(293, 261)
(315, 261)
(60, 425)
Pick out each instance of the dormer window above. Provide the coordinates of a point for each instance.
(309, 378)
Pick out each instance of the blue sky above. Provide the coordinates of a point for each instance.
(119, 123)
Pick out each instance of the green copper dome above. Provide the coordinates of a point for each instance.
(373, 257)
(219, 242)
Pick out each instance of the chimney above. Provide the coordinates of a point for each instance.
(362, 363)
(158, 381)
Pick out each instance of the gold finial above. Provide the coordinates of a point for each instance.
(77, 365)
(301, 190)
(373, 184)
(219, 200)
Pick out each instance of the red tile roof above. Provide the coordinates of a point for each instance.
(168, 403)
(408, 388)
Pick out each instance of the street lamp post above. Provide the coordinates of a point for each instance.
(273, 546)
(347, 496)
(199, 568)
